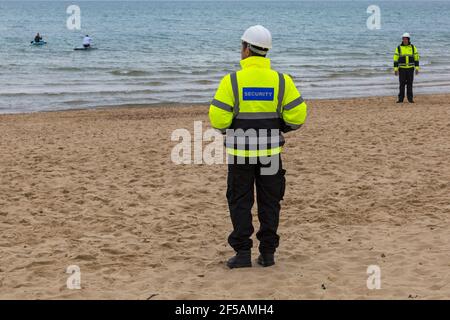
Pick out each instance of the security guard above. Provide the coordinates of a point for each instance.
(253, 106)
(406, 59)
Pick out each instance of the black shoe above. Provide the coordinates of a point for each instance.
(399, 101)
(411, 101)
(266, 259)
(242, 259)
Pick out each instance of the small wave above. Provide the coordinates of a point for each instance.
(68, 93)
(204, 81)
(180, 71)
(25, 94)
(194, 96)
(153, 83)
(75, 102)
(200, 72)
(357, 73)
(130, 73)
(76, 69)
(436, 63)
(176, 72)
(66, 69)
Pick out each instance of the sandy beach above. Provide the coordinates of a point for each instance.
(368, 183)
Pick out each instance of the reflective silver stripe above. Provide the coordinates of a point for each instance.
(281, 88)
(293, 103)
(293, 126)
(221, 105)
(252, 143)
(234, 86)
(257, 115)
(256, 146)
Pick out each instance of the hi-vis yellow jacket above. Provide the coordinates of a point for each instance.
(406, 57)
(259, 100)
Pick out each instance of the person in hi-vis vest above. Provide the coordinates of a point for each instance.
(254, 106)
(406, 62)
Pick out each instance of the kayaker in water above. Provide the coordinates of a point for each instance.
(87, 41)
(37, 38)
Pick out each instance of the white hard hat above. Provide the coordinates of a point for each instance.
(258, 36)
(406, 35)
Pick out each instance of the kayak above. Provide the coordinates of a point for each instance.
(40, 43)
(83, 48)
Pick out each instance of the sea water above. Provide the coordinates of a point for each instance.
(166, 52)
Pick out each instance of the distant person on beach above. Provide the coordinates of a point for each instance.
(87, 41)
(406, 60)
(264, 103)
(37, 38)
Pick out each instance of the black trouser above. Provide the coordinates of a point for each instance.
(406, 77)
(240, 195)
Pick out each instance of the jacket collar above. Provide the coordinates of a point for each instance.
(255, 61)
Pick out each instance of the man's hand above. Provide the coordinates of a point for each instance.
(396, 73)
(417, 72)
